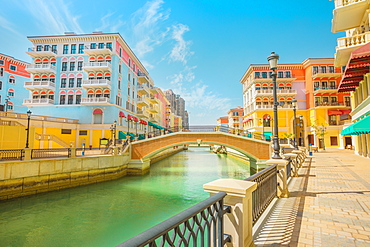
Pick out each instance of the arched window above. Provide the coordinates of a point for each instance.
(97, 116)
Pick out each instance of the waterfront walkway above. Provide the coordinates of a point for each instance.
(329, 204)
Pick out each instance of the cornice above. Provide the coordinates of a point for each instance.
(13, 60)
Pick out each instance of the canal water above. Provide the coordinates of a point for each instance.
(108, 213)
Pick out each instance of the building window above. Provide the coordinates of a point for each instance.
(280, 74)
(119, 68)
(79, 66)
(324, 84)
(1, 62)
(288, 74)
(120, 52)
(71, 82)
(70, 99)
(109, 46)
(72, 66)
(315, 69)
(101, 46)
(332, 85)
(81, 48)
(54, 48)
(316, 85)
(11, 80)
(13, 67)
(66, 131)
(11, 93)
(323, 69)
(64, 66)
(129, 62)
(78, 99)
(93, 46)
(73, 49)
(333, 99)
(119, 84)
(83, 133)
(62, 99)
(65, 49)
(333, 141)
(347, 100)
(46, 47)
(1, 71)
(264, 74)
(331, 69)
(39, 48)
(51, 97)
(79, 82)
(332, 119)
(1, 86)
(63, 82)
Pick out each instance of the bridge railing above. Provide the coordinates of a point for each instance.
(51, 153)
(12, 154)
(200, 225)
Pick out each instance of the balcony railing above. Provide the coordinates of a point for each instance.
(329, 104)
(41, 68)
(342, 3)
(325, 88)
(279, 91)
(285, 106)
(143, 78)
(142, 89)
(38, 102)
(97, 66)
(41, 53)
(95, 100)
(96, 83)
(39, 85)
(98, 50)
(353, 41)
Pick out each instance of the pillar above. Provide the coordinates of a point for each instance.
(238, 223)
(282, 177)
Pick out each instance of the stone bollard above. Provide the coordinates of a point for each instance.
(239, 222)
(282, 177)
(27, 154)
(73, 152)
(294, 159)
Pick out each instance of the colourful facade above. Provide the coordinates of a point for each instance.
(235, 119)
(353, 54)
(12, 78)
(95, 78)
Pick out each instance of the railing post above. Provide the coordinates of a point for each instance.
(27, 153)
(294, 159)
(282, 176)
(115, 151)
(239, 222)
(300, 157)
(73, 152)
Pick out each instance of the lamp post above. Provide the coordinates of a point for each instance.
(323, 129)
(28, 126)
(113, 128)
(302, 131)
(273, 59)
(6, 104)
(294, 103)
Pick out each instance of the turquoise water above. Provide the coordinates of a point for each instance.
(108, 213)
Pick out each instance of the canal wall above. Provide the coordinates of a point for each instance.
(22, 178)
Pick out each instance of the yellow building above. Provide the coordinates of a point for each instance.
(353, 51)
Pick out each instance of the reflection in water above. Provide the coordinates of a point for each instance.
(108, 213)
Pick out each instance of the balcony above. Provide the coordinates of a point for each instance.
(143, 78)
(322, 73)
(153, 109)
(38, 102)
(97, 51)
(348, 14)
(330, 104)
(142, 89)
(153, 99)
(41, 68)
(95, 101)
(348, 44)
(154, 118)
(269, 79)
(97, 66)
(141, 113)
(272, 106)
(39, 85)
(98, 83)
(279, 92)
(325, 90)
(153, 90)
(142, 101)
(35, 53)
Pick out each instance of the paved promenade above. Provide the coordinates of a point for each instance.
(329, 204)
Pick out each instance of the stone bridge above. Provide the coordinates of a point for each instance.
(142, 151)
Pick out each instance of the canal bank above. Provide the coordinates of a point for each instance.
(108, 213)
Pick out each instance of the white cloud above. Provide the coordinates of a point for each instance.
(4, 23)
(186, 75)
(54, 16)
(146, 27)
(110, 23)
(181, 51)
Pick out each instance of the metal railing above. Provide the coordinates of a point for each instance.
(12, 154)
(266, 190)
(200, 225)
(51, 153)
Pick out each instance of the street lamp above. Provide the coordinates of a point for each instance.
(273, 59)
(28, 126)
(113, 128)
(294, 103)
(7, 100)
(302, 130)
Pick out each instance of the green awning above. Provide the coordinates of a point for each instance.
(267, 134)
(141, 136)
(121, 135)
(358, 128)
(132, 135)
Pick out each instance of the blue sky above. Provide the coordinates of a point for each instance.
(198, 48)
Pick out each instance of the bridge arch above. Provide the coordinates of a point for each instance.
(255, 149)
